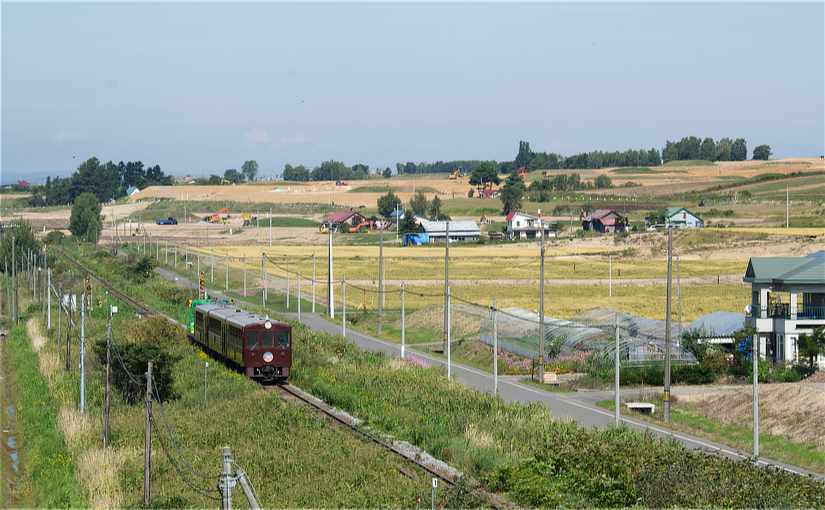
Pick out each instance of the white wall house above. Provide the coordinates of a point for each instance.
(526, 226)
(679, 217)
(787, 300)
(460, 230)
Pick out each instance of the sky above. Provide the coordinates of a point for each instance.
(201, 87)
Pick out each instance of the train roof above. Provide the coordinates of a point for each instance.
(234, 315)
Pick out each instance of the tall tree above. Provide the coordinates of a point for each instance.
(762, 152)
(723, 149)
(232, 176)
(418, 203)
(85, 221)
(485, 172)
(435, 210)
(707, 150)
(512, 193)
(739, 150)
(387, 173)
(810, 346)
(249, 169)
(295, 173)
(387, 204)
(24, 241)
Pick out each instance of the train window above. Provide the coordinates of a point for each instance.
(283, 338)
(267, 339)
(251, 339)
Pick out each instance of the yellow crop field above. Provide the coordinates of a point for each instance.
(777, 231)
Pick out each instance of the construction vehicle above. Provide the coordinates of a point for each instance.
(456, 174)
(249, 219)
(220, 216)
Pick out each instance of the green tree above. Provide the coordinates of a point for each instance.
(85, 221)
(810, 346)
(707, 150)
(485, 172)
(24, 241)
(249, 169)
(295, 173)
(762, 152)
(723, 149)
(419, 204)
(739, 150)
(512, 193)
(387, 173)
(232, 176)
(408, 224)
(603, 181)
(388, 203)
(435, 210)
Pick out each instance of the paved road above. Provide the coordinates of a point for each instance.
(579, 407)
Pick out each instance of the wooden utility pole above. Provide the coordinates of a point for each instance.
(617, 379)
(147, 443)
(14, 302)
(313, 282)
(82, 353)
(330, 288)
(541, 310)
(494, 311)
(666, 403)
(380, 281)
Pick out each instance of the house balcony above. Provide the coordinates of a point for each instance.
(783, 311)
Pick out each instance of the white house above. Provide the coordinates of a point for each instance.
(787, 300)
(525, 226)
(460, 230)
(679, 217)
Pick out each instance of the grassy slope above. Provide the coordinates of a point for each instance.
(48, 471)
(175, 208)
(518, 450)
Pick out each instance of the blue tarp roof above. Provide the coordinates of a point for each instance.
(718, 323)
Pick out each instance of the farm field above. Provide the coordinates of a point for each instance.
(501, 444)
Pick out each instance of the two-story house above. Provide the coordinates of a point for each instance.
(526, 226)
(787, 300)
(679, 217)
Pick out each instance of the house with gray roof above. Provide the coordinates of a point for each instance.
(787, 300)
(460, 230)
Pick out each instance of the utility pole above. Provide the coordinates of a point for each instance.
(106, 395)
(541, 310)
(313, 281)
(403, 322)
(755, 356)
(147, 443)
(618, 369)
(227, 480)
(679, 299)
(787, 206)
(330, 290)
(610, 276)
(298, 279)
(270, 227)
(226, 277)
(380, 281)
(49, 299)
(14, 303)
(494, 311)
(344, 307)
(263, 287)
(666, 403)
(83, 353)
(446, 288)
(449, 346)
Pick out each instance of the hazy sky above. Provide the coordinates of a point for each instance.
(200, 88)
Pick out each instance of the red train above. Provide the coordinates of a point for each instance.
(260, 346)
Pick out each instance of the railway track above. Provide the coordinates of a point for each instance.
(406, 451)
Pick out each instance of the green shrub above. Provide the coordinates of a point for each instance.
(54, 237)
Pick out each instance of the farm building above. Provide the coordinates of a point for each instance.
(131, 190)
(526, 226)
(787, 300)
(604, 221)
(717, 327)
(353, 220)
(459, 230)
(679, 217)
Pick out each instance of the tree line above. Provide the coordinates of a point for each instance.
(708, 149)
(107, 181)
(331, 171)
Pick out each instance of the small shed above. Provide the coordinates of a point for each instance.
(352, 219)
(131, 190)
(604, 221)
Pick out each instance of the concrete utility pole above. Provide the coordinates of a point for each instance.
(227, 481)
(263, 287)
(679, 299)
(147, 441)
(314, 274)
(49, 299)
(83, 353)
(449, 340)
(14, 311)
(403, 322)
(446, 287)
(270, 227)
(541, 310)
(787, 206)
(610, 275)
(380, 281)
(666, 403)
(226, 276)
(344, 307)
(330, 290)
(618, 369)
(494, 311)
(755, 356)
(106, 395)
(298, 280)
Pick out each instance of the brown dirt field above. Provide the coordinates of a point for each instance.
(793, 410)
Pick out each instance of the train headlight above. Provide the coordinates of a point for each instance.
(268, 357)
(267, 324)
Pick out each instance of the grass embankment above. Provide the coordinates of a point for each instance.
(633, 170)
(686, 417)
(294, 458)
(384, 188)
(690, 162)
(519, 450)
(46, 476)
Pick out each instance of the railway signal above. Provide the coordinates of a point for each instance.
(201, 285)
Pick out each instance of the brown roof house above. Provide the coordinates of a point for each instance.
(604, 221)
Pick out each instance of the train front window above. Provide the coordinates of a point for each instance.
(251, 340)
(267, 340)
(283, 338)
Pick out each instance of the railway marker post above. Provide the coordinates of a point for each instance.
(432, 495)
(227, 480)
(147, 443)
(403, 322)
